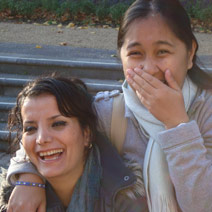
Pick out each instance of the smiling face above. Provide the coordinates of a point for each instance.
(54, 143)
(149, 43)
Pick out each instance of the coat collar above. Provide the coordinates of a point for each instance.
(115, 175)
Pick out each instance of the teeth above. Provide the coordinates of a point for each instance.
(52, 152)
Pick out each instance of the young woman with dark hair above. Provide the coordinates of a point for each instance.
(168, 107)
(55, 122)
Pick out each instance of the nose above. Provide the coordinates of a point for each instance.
(150, 66)
(43, 136)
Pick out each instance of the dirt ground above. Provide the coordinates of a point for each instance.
(101, 38)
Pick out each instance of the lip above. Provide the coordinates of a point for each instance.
(50, 155)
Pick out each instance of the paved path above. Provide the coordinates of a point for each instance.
(100, 38)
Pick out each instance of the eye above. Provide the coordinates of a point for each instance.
(59, 124)
(29, 129)
(162, 52)
(134, 53)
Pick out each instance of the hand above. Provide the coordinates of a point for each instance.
(27, 198)
(165, 102)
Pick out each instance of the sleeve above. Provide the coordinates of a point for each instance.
(188, 150)
(18, 165)
(103, 105)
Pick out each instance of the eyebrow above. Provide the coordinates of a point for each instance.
(51, 118)
(162, 42)
(133, 44)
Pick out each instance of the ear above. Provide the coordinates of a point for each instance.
(191, 54)
(87, 136)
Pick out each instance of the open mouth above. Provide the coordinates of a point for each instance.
(50, 155)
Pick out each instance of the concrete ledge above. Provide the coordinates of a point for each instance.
(57, 62)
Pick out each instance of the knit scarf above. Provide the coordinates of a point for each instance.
(86, 191)
(159, 188)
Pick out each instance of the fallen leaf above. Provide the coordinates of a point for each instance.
(54, 22)
(46, 23)
(38, 46)
(70, 25)
(60, 31)
(82, 27)
(105, 26)
(93, 32)
(37, 24)
(59, 25)
(63, 44)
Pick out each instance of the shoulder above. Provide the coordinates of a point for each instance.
(205, 101)
(202, 113)
(103, 104)
(106, 95)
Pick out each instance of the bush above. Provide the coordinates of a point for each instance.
(65, 7)
(102, 12)
(3, 5)
(87, 7)
(117, 11)
(83, 11)
(198, 9)
(50, 5)
(25, 7)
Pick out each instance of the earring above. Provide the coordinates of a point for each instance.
(90, 146)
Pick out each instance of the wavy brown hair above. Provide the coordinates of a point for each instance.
(72, 98)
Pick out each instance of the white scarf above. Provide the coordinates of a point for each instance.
(159, 189)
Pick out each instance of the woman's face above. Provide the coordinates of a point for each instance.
(54, 143)
(150, 44)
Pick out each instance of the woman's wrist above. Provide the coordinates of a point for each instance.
(29, 177)
(177, 122)
(33, 184)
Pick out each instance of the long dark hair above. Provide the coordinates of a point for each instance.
(72, 98)
(178, 21)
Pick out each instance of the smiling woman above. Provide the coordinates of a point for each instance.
(56, 122)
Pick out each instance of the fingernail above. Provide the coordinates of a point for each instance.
(168, 71)
(129, 80)
(130, 72)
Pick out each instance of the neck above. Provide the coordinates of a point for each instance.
(64, 185)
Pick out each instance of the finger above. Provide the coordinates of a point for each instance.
(143, 99)
(137, 82)
(153, 81)
(42, 208)
(9, 209)
(171, 81)
(144, 89)
(138, 71)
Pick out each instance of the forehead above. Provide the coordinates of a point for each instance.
(43, 104)
(152, 27)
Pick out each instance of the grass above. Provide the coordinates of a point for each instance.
(86, 12)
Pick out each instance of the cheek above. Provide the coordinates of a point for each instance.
(129, 63)
(28, 145)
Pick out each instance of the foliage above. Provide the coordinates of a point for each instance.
(117, 11)
(198, 9)
(50, 5)
(88, 11)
